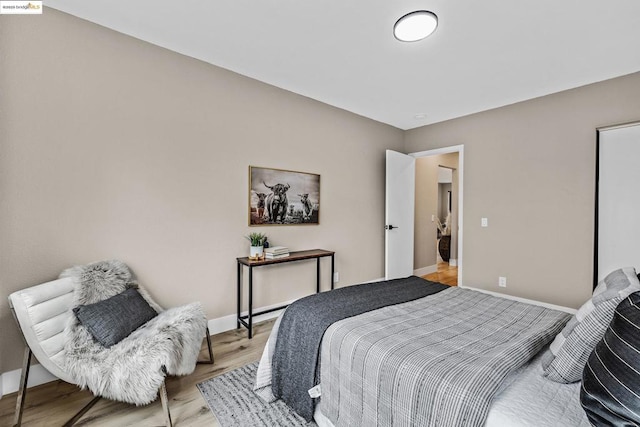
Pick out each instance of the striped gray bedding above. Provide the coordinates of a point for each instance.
(303, 324)
(435, 361)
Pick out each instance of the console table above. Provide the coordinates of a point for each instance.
(251, 264)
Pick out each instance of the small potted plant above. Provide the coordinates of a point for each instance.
(257, 240)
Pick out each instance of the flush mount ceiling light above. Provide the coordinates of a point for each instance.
(415, 26)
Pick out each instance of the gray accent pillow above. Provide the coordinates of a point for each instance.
(113, 319)
(564, 361)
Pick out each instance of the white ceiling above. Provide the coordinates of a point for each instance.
(484, 54)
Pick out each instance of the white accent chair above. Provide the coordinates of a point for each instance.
(42, 312)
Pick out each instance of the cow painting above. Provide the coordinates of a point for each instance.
(307, 206)
(279, 197)
(277, 202)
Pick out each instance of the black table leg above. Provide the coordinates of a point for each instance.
(239, 275)
(250, 302)
(318, 276)
(332, 268)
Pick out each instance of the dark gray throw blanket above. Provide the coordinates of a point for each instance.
(304, 322)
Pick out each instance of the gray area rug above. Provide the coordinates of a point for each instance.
(231, 398)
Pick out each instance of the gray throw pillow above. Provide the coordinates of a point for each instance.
(113, 319)
(564, 361)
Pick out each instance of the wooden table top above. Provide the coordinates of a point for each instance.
(293, 256)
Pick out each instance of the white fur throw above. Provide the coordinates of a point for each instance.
(132, 370)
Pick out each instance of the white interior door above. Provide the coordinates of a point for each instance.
(399, 213)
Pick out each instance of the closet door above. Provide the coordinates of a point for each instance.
(618, 199)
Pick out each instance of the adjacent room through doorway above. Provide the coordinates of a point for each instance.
(438, 215)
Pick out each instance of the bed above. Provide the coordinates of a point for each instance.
(401, 363)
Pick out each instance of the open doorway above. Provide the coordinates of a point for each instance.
(446, 259)
(438, 215)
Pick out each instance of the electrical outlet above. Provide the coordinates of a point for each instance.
(484, 222)
(502, 282)
(336, 277)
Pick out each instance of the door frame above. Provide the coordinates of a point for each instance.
(447, 150)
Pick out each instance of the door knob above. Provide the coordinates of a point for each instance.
(389, 227)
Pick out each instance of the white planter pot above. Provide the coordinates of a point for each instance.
(256, 251)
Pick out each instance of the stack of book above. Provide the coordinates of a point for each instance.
(276, 252)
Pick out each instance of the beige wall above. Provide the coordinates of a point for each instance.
(530, 169)
(426, 204)
(111, 147)
(114, 148)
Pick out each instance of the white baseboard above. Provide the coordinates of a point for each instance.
(227, 323)
(528, 301)
(425, 270)
(10, 381)
(453, 262)
(375, 280)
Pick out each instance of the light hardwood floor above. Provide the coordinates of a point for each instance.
(446, 274)
(52, 404)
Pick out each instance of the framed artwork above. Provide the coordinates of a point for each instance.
(283, 197)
